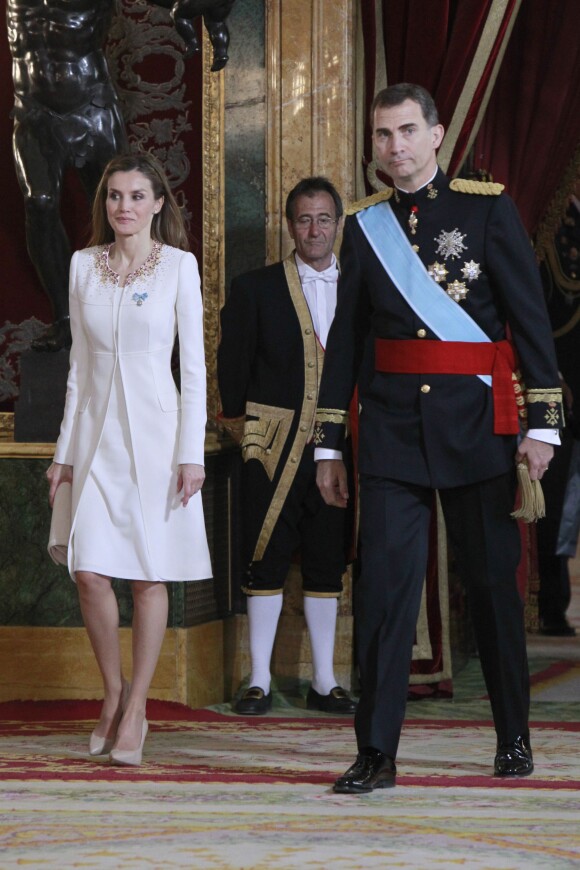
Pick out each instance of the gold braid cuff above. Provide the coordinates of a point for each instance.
(552, 397)
(553, 394)
(331, 415)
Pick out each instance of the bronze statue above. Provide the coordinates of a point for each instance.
(215, 12)
(67, 113)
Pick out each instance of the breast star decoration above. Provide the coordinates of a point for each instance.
(450, 244)
(438, 272)
(471, 271)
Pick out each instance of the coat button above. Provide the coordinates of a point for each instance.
(303, 427)
(310, 396)
(425, 388)
(293, 460)
(308, 331)
(421, 333)
(311, 365)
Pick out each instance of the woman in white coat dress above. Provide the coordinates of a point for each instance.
(132, 447)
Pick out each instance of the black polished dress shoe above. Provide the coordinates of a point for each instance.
(514, 758)
(337, 701)
(254, 702)
(372, 769)
(557, 628)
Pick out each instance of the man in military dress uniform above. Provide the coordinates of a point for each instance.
(274, 327)
(434, 274)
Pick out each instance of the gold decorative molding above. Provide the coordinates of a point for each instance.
(213, 266)
(25, 450)
(6, 426)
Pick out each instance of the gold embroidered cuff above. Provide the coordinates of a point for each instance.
(551, 397)
(331, 415)
(544, 395)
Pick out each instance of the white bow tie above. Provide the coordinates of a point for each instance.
(329, 275)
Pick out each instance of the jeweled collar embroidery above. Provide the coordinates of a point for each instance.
(145, 270)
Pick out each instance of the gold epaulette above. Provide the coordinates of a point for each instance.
(381, 196)
(485, 188)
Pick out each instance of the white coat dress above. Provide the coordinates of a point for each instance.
(126, 428)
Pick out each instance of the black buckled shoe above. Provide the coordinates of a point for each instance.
(254, 702)
(514, 759)
(372, 769)
(337, 701)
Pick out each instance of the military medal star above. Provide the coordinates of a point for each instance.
(438, 272)
(457, 290)
(471, 271)
(450, 244)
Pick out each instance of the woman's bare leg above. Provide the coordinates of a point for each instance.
(150, 608)
(101, 617)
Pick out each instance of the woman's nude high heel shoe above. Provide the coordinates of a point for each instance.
(103, 745)
(130, 757)
(100, 745)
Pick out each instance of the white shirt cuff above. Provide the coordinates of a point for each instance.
(326, 453)
(549, 436)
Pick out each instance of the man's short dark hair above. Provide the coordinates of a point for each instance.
(309, 187)
(394, 95)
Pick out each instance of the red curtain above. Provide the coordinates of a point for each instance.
(435, 43)
(532, 126)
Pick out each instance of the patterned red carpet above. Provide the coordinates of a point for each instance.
(219, 791)
(48, 740)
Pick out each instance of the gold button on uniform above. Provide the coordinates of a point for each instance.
(303, 427)
(425, 388)
(310, 365)
(308, 331)
(421, 333)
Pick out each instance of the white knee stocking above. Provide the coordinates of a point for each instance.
(320, 616)
(263, 614)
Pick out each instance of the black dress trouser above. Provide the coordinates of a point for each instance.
(394, 532)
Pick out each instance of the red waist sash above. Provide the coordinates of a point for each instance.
(411, 356)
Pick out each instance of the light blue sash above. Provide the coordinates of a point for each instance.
(436, 309)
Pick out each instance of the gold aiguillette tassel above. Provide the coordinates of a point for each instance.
(532, 506)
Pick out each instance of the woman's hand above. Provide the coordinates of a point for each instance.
(190, 479)
(57, 474)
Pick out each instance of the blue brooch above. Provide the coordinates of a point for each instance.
(139, 298)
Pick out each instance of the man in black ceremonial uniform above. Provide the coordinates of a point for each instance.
(274, 327)
(439, 304)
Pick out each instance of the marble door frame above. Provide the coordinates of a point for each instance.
(310, 128)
